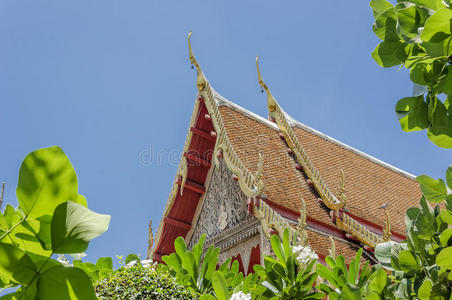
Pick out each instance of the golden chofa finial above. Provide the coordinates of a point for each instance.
(200, 80)
(271, 102)
(387, 227)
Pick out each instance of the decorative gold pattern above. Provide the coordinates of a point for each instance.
(346, 223)
(358, 230)
(300, 154)
(270, 219)
(341, 195)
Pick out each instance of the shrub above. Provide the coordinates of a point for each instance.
(135, 281)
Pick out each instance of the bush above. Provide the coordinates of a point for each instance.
(139, 282)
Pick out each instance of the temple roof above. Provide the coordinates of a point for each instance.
(295, 178)
(370, 183)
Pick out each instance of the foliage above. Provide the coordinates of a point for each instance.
(141, 281)
(417, 34)
(199, 273)
(286, 277)
(52, 218)
(354, 282)
(422, 264)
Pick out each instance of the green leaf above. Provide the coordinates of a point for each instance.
(277, 249)
(407, 262)
(350, 292)
(383, 252)
(449, 202)
(220, 286)
(16, 265)
(378, 281)
(59, 283)
(424, 290)
(412, 113)
(179, 246)
(74, 225)
(446, 216)
(379, 6)
(104, 263)
(444, 237)
(390, 53)
(437, 27)
(385, 25)
(434, 190)
(444, 258)
(132, 257)
(207, 297)
(46, 179)
(449, 176)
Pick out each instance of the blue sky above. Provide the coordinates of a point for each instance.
(107, 80)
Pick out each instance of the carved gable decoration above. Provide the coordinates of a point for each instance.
(224, 205)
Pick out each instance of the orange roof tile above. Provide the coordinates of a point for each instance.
(369, 183)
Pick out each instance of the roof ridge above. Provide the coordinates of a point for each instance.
(223, 101)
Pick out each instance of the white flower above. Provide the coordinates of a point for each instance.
(240, 296)
(63, 260)
(131, 264)
(304, 254)
(146, 263)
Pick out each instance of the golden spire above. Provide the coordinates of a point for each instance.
(271, 101)
(201, 80)
(386, 227)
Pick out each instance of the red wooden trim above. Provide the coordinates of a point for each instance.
(196, 159)
(192, 186)
(203, 134)
(177, 223)
(157, 257)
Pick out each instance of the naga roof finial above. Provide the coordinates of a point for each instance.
(271, 101)
(386, 227)
(201, 80)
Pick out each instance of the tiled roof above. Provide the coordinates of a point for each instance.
(369, 183)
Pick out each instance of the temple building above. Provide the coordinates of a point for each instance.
(243, 177)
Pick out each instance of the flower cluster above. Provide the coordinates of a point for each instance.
(240, 296)
(304, 254)
(146, 263)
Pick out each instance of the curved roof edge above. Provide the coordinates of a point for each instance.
(223, 101)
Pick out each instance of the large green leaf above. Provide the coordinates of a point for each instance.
(46, 179)
(350, 292)
(412, 113)
(74, 225)
(438, 26)
(379, 6)
(434, 190)
(449, 176)
(104, 263)
(220, 286)
(444, 237)
(407, 262)
(424, 290)
(378, 281)
(385, 25)
(390, 53)
(277, 249)
(16, 265)
(60, 283)
(444, 258)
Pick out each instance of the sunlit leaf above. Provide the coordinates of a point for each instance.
(74, 225)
